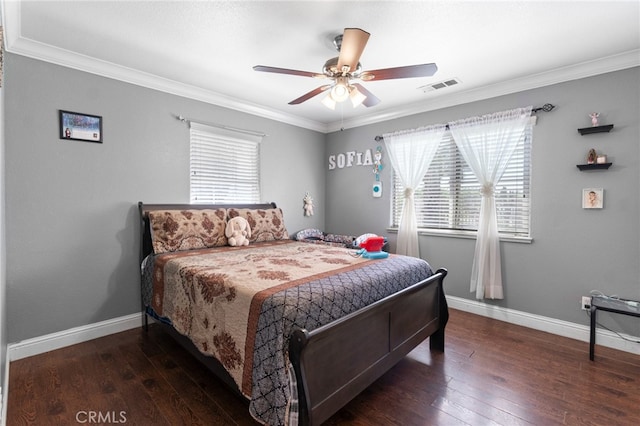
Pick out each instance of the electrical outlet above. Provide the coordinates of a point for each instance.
(586, 303)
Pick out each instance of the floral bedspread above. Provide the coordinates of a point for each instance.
(240, 304)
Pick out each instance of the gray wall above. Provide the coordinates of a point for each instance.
(574, 250)
(71, 216)
(72, 233)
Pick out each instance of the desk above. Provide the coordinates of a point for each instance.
(605, 303)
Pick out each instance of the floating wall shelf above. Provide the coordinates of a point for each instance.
(596, 129)
(595, 166)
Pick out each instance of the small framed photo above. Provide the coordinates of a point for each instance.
(592, 198)
(80, 127)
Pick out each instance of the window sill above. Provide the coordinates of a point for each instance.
(470, 235)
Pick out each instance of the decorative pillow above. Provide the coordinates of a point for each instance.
(266, 224)
(174, 230)
(309, 234)
(346, 240)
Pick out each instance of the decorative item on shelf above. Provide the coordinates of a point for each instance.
(595, 161)
(594, 118)
(592, 198)
(308, 205)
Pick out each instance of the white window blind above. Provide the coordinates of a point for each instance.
(449, 196)
(224, 165)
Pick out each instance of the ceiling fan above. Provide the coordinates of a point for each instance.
(346, 70)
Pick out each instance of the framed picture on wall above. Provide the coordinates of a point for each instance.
(80, 127)
(592, 198)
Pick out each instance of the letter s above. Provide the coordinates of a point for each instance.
(332, 162)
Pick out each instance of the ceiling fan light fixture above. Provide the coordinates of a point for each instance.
(329, 102)
(340, 91)
(346, 68)
(357, 97)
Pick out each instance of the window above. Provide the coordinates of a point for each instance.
(224, 165)
(449, 196)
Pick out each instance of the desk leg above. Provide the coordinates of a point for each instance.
(592, 338)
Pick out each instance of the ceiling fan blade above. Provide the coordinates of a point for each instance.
(411, 71)
(310, 95)
(264, 68)
(353, 42)
(371, 99)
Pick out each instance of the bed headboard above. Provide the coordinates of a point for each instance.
(146, 247)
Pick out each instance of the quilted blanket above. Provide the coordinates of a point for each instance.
(240, 304)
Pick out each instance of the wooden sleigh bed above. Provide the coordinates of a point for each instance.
(329, 362)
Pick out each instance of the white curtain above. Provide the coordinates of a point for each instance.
(410, 153)
(487, 143)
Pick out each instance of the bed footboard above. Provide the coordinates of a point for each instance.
(336, 362)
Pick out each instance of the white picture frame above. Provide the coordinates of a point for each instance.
(592, 198)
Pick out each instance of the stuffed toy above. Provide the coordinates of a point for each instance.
(372, 248)
(238, 231)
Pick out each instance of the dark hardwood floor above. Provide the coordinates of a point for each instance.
(492, 373)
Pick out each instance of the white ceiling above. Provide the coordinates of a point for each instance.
(206, 49)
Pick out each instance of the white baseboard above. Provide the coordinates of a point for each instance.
(39, 345)
(50, 342)
(549, 325)
(61, 339)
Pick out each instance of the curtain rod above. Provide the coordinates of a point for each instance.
(220, 126)
(545, 108)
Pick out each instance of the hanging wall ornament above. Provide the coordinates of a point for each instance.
(377, 168)
(308, 205)
(377, 163)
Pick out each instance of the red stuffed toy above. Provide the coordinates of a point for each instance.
(373, 244)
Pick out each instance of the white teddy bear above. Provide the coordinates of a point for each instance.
(238, 231)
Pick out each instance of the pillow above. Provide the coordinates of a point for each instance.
(175, 230)
(266, 224)
(347, 240)
(309, 234)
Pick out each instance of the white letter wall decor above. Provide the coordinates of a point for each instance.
(332, 162)
(367, 158)
(351, 155)
(350, 158)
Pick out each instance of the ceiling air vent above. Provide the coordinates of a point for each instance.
(440, 85)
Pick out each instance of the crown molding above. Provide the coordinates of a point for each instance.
(55, 55)
(19, 45)
(612, 63)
